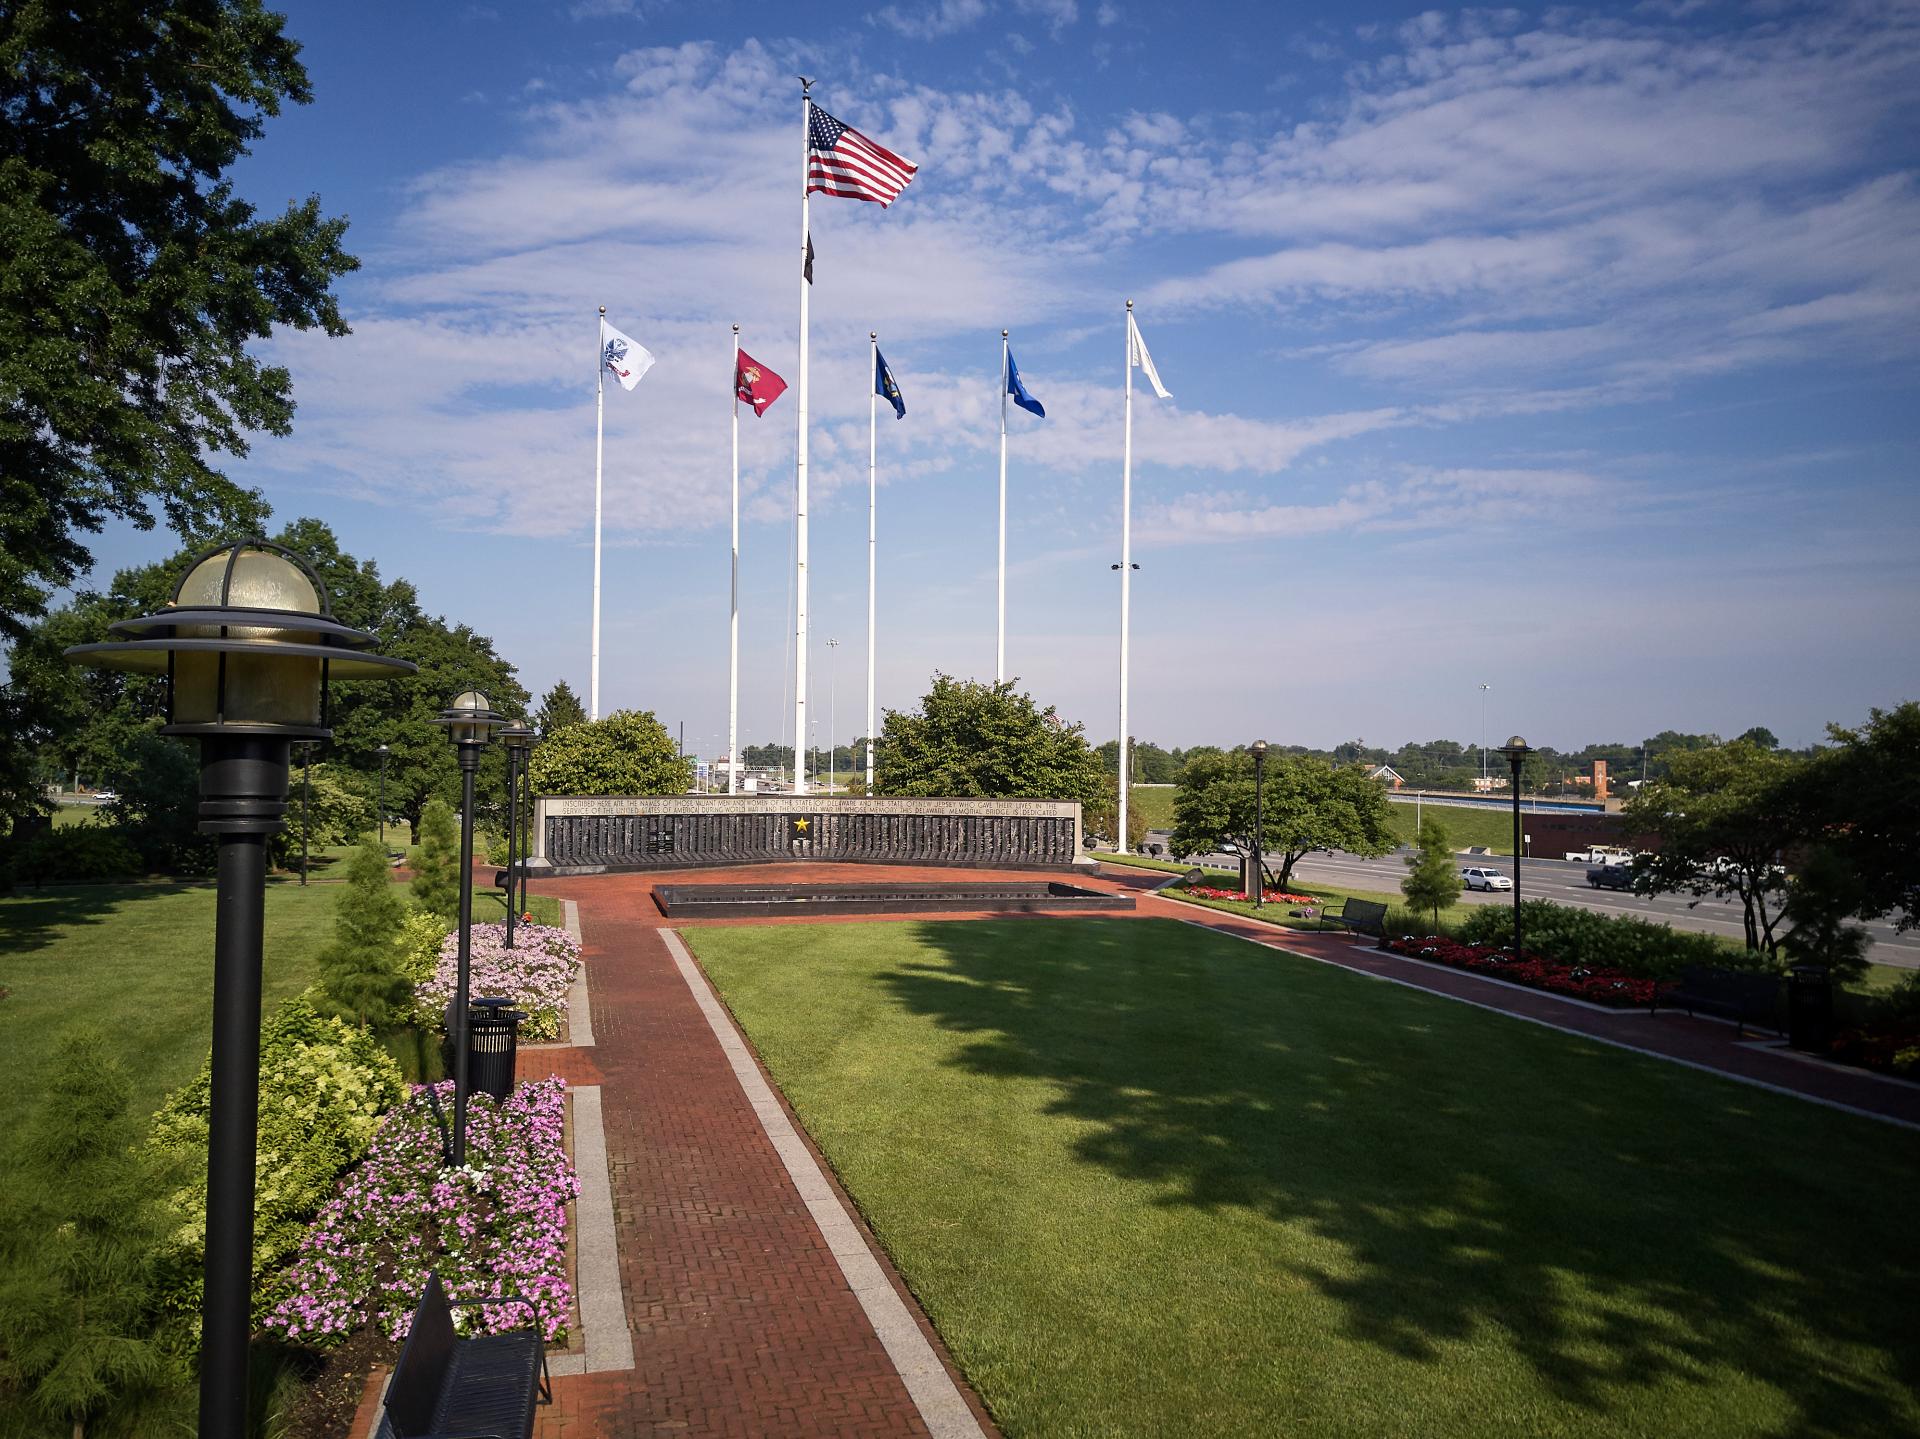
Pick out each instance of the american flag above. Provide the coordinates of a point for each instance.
(841, 161)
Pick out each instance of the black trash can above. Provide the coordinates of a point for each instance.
(493, 1042)
(1809, 1007)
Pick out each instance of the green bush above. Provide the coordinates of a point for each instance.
(80, 854)
(436, 862)
(1579, 936)
(324, 1084)
(628, 752)
(421, 935)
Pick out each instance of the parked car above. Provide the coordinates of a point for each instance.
(1478, 878)
(1611, 876)
(1600, 854)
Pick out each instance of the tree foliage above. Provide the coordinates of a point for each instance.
(78, 1234)
(628, 752)
(1308, 804)
(132, 278)
(435, 862)
(1862, 799)
(1433, 878)
(1725, 818)
(360, 971)
(559, 709)
(970, 739)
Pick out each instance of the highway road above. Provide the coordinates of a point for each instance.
(1566, 883)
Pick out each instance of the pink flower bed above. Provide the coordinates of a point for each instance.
(535, 974)
(1272, 896)
(1591, 983)
(496, 1226)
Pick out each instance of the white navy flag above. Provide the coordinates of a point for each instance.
(623, 355)
(1137, 352)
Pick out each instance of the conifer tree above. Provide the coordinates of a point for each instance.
(360, 974)
(559, 709)
(82, 1227)
(436, 862)
(1433, 881)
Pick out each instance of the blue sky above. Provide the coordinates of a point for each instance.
(1568, 351)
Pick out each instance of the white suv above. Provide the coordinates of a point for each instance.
(1485, 879)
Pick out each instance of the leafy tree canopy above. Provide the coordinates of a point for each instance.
(970, 739)
(1308, 804)
(628, 752)
(1862, 798)
(1433, 879)
(132, 278)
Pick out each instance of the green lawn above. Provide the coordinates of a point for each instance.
(1465, 827)
(1154, 803)
(1149, 1180)
(137, 960)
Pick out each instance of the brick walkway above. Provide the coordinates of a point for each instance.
(742, 1322)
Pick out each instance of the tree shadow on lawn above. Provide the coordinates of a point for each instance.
(1622, 1224)
(32, 919)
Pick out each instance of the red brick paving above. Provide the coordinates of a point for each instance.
(742, 1322)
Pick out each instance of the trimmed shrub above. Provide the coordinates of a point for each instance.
(1580, 937)
(79, 854)
(436, 862)
(421, 936)
(360, 976)
(324, 1084)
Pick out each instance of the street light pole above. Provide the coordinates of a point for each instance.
(833, 705)
(516, 739)
(1259, 824)
(1483, 737)
(470, 721)
(383, 798)
(306, 796)
(245, 700)
(1516, 750)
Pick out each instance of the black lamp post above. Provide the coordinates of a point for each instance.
(518, 740)
(248, 647)
(382, 752)
(470, 722)
(1259, 827)
(1516, 750)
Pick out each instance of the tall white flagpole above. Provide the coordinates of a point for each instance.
(733, 608)
(1126, 582)
(800, 472)
(873, 427)
(1000, 635)
(599, 450)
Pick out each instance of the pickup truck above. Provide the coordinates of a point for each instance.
(1610, 876)
(1600, 854)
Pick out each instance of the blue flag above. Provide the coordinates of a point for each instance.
(886, 387)
(1019, 391)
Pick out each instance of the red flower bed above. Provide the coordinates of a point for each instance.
(1596, 986)
(1889, 1046)
(1272, 896)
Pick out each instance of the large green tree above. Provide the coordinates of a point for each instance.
(628, 752)
(559, 709)
(1862, 799)
(1307, 804)
(1725, 818)
(970, 739)
(133, 278)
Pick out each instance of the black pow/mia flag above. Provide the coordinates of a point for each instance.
(799, 828)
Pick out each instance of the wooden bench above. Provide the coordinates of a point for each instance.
(446, 1387)
(1737, 994)
(1361, 916)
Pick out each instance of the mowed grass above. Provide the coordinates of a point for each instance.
(1152, 1181)
(1465, 827)
(137, 961)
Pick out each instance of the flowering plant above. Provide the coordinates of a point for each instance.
(1591, 983)
(495, 1226)
(534, 974)
(1272, 896)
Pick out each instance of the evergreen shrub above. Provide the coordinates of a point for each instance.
(1580, 937)
(79, 854)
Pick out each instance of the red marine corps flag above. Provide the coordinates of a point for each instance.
(755, 383)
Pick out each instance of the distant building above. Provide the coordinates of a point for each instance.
(1387, 774)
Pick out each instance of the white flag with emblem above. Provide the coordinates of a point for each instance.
(626, 357)
(1141, 358)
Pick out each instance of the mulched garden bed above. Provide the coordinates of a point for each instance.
(327, 1404)
(1530, 971)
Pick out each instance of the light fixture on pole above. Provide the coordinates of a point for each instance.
(382, 752)
(1483, 736)
(519, 742)
(1259, 828)
(833, 706)
(470, 722)
(1516, 750)
(249, 648)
